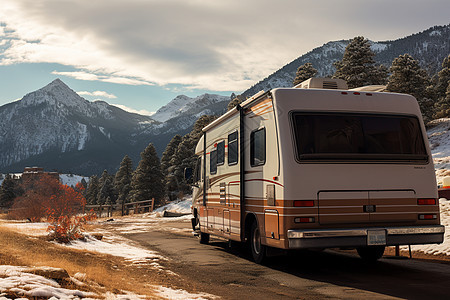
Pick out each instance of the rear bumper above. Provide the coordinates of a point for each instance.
(357, 237)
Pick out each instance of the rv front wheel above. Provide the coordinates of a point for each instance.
(258, 249)
(371, 253)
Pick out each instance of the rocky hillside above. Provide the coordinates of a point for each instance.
(429, 47)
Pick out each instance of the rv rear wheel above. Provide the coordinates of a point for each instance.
(258, 250)
(371, 253)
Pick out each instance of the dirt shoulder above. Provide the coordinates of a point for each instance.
(103, 273)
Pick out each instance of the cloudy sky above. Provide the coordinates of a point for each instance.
(140, 54)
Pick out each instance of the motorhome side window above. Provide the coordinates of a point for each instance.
(213, 162)
(233, 148)
(341, 136)
(198, 168)
(258, 147)
(221, 153)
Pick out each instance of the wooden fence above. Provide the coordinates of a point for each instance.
(126, 208)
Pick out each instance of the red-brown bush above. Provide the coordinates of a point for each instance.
(46, 197)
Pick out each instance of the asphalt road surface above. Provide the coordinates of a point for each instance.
(229, 272)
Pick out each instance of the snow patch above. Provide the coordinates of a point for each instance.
(436, 33)
(182, 104)
(17, 280)
(377, 47)
(169, 293)
(443, 248)
(83, 136)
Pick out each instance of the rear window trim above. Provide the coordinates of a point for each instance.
(366, 159)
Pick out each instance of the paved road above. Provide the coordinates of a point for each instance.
(230, 273)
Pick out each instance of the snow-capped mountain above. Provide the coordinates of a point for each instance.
(183, 104)
(56, 128)
(429, 47)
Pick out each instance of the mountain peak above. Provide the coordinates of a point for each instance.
(54, 92)
(55, 83)
(181, 104)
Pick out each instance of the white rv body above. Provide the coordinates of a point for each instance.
(280, 193)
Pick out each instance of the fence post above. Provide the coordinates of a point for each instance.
(153, 204)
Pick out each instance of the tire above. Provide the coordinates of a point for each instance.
(371, 253)
(204, 238)
(258, 250)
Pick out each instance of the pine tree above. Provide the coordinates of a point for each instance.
(7, 192)
(444, 111)
(409, 78)
(170, 184)
(147, 182)
(443, 78)
(443, 82)
(304, 72)
(106, 189)
(84, 183)
(357, 66)
(122, 180)
(168, 153)
(185, 157)
(182, 159)
(92, 190)
(235, 100)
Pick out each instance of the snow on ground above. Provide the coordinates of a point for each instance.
(179, 206)
(121, 247)
(19, 281)
(439, 138)
(16, 282)
(443, 248)
(153, 220)
(71, 180)
(31, 229)
(169, 293)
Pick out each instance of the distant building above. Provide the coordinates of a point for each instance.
(36, 173)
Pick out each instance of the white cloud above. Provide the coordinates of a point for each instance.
(85, 75)
(136, 111)
(102, 94)
(218, 45)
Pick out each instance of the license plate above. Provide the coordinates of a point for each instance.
(376, 237)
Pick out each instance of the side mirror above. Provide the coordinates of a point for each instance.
(187, 174)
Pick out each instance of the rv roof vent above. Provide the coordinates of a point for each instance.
(330, 85)
(323, 83)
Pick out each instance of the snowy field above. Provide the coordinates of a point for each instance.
(439, 138)
(21, 281)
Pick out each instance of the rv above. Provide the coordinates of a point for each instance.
(318, 166)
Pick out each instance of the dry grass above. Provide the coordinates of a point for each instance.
(111, 273)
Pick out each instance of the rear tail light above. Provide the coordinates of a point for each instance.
(303, 203)
(428, 217)
(304, 220)
(426, 201)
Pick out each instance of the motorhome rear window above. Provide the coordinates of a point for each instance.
(341, 136)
